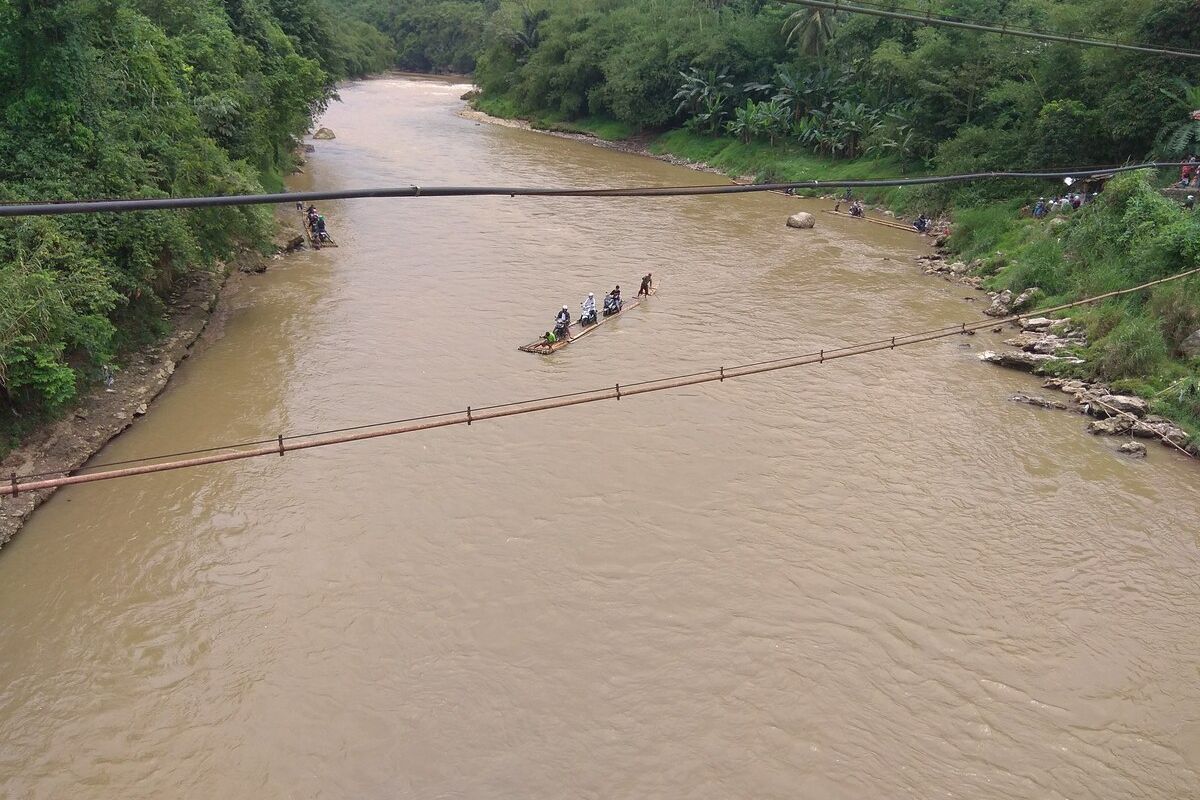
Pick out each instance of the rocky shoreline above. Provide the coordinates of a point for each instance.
(104, 411)
(1042, 344)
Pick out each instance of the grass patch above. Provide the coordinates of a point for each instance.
(983, 231)
(785, 163)
(500, 107)
(610, 130)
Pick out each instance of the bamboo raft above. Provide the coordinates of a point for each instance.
(313, 241)
(897, 225)
(575, 331)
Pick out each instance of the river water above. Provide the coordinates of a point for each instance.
(871, 578)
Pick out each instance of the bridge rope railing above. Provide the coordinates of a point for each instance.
(281, 444)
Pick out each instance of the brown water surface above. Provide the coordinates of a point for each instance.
(874, 578)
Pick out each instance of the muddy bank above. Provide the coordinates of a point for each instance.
(107, 409)
(636, 145)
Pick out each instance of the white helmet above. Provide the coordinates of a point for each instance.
(565, 308)
(591, 295)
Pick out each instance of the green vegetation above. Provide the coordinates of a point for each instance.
(844, 85)
(428, 35)
(780, 163)
(145, 98)
(1129, 235)
(141, 98)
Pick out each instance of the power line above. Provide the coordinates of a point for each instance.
(285, 444)
(929, 18)
(54, 207)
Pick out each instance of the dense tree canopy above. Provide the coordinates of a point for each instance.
(844, 84)
(429, 35)
(142, 98)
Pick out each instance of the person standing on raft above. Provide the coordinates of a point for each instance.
(646, 284)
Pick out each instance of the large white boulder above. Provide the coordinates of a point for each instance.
(1111, 404)
(801, 219)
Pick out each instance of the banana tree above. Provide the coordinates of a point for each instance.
(700, 88)
(772, 119)
(852, 122)
(711, 114)
(789, 89)
(807, 130)
(743, 123)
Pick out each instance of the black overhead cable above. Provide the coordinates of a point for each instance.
(927, 17)
(53, 207)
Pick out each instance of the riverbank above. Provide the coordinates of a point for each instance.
(107, 409)
(742, 162)
(640, 145)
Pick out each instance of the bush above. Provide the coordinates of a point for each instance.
(1134, 347)
(979, 232)
(1177, 306)
(38, 377)
(1041, 264)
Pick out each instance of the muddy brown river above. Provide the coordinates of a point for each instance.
(875, 578)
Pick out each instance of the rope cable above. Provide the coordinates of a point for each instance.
(55, 207)
(927, 18)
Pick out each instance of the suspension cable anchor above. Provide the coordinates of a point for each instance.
(822, 357)
(722, 374)
(469, 417)
(618, 391)
(281, 450)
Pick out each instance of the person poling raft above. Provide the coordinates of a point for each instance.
(565, 331)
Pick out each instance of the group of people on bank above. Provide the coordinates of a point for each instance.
(1061, 205)
(1189, 173)
(612, 304)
